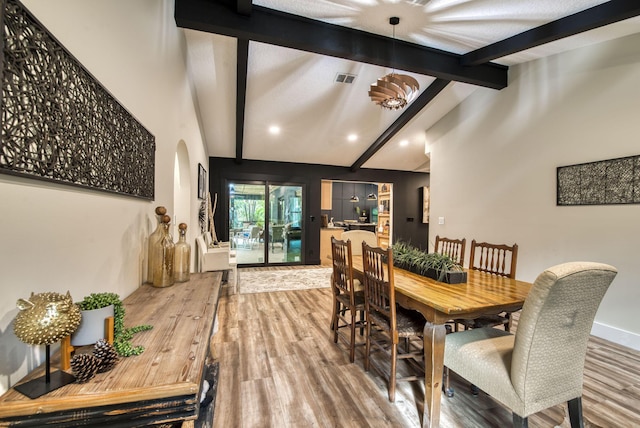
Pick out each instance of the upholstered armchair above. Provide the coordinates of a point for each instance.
(216, 258)
(541, 364)
(357, 237)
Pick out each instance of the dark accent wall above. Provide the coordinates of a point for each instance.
(407, 195)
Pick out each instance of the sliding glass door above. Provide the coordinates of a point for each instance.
(285, 224)
(247, 216)
(256, 240)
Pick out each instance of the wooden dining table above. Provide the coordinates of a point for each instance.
(439, 303)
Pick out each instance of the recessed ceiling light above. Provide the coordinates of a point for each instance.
(404, 143)
(274, 130)
(352, 137)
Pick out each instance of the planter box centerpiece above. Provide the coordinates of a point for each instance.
(440, 267)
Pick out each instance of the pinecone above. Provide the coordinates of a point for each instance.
(106, 354)
(84, 367)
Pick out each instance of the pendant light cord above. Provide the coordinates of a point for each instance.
(393, 50)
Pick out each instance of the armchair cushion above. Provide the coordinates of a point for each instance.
(487, 362)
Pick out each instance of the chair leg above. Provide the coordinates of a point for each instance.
(332, 324)
(333, 315)
(352, 351)
(367, 346)
(445, 385)
(392, 374)
(336, 311)
(520, 422)
(575, 412)
(475, 390)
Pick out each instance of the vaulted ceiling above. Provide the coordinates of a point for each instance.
(264, 72)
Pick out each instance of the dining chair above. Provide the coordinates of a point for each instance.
(357, 237)
(347, 303)
(541, 365)
(454, 248)
(387, 323)
(276, 235)
(254, 236)
(494, 259)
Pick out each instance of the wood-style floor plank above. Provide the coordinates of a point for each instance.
(279, 367)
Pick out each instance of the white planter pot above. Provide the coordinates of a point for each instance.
(91, 327)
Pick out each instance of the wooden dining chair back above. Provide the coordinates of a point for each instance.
(387, 323)
(348, 304)
(496, 259)
(453, 248)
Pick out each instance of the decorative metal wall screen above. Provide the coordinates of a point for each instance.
(59, 123)
(608, 182)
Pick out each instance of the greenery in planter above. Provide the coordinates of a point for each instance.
(121, 335)
(406, 255)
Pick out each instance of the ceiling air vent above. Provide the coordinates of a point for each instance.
(345, 78)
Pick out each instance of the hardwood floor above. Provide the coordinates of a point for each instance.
(279, 367)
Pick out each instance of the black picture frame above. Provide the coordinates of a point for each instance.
(202, 179)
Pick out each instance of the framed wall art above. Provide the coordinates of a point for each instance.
(202, 181)
(607, 182)
(59, 123)
(425, 204)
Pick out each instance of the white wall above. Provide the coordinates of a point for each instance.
(494, 160)
(59, 238)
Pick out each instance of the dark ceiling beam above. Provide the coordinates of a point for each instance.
(297, 32)
(588, 19)
(243, 7)
(241, 94)
(409, 112)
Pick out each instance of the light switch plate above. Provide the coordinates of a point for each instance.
(440, 220)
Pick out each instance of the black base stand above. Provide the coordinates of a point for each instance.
(39, 386)
(47, 383)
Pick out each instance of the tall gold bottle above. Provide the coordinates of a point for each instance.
(163, 269)
(154, 241)
(182, 261)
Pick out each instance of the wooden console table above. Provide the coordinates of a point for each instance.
(160, 386)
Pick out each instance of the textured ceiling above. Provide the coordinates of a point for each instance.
(296, 90)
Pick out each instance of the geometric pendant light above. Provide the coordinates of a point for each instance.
(394, 91)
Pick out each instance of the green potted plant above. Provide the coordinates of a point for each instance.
(122, 335)
(437, 266)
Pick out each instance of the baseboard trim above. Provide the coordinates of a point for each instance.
(616, 335)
